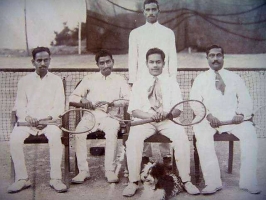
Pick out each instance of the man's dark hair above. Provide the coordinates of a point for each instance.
(102, 53)
(38, 50)
(150, 1)
(155, 51)
(214, 46)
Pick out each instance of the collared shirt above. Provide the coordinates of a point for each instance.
(96, 87)
(171, 94)
(144, 38)
(236, 98)
(40, 98)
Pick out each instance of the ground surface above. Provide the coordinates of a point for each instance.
(185, 60)
(37, 158)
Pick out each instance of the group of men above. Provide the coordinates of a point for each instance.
(155, 90)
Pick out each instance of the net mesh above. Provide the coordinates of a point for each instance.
(255, 81)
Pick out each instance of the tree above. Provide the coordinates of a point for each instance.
(69, 37)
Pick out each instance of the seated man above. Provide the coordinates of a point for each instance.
(40, 95)
(93, 91)
(226, 98)
(153, 97)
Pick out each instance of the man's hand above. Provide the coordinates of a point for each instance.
(87, 104)
(100, 103)
(33, 121)
(214, 122)
(237, 119)
(159, 116)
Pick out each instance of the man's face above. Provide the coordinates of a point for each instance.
(41, 63)
(106, 65)
(155, 64)
(216, 59)
(151, 12)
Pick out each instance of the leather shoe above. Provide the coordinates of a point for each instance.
(19, 185)
(130, 190)
(58, 186)
(81, 177)
(111, 177)
(252, 190)
(191, 189)
(209, 189)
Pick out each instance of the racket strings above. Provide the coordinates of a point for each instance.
(193, 112)
(259, 118)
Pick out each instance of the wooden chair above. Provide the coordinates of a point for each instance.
(41, 139)
(217, 137)
(98, 134)
(156, 138)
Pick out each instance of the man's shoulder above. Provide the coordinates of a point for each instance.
(165, 28)
(138, 29)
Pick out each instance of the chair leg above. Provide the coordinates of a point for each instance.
(174, 167)
(12, 173)
(67, 166)
(231, 156)
(196, 160)
(76, 165)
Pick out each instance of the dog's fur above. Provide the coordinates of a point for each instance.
(158, 183)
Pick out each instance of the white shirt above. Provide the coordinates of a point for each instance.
(236, 99)
(171, 94)
(96, 87)
(144, 38)
(40, 98)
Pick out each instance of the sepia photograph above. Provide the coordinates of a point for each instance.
(133, 99)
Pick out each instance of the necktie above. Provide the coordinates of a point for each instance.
(219, 83)
(155, 95)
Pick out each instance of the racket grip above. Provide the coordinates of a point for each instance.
(76, 104)
(23, 124)
(144, 121)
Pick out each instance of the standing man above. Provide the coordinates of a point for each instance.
(151, 35)
(40, 95)
(152, 98)
(94, 91)
(226, 98)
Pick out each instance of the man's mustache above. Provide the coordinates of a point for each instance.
(216, 62)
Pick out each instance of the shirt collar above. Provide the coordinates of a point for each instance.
(37, 75)
(221, 71)
(152, 25)
(102, 77)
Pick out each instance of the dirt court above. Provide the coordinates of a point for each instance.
(185, 60)
(37, 159)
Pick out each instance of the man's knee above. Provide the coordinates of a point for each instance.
(18, 136)
(53, 133)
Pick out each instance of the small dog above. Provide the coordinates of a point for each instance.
(158, 183)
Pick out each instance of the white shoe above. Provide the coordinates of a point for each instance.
(252, 190)
(111, 177)
(130, 190)
(19, 185)
(191, 189)
(57, 185)
(210, 189)
(81, 177)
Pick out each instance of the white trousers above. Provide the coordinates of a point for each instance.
(180, 143)
(17, 137)
(110, 127)
(208, 159)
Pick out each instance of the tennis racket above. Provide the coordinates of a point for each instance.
(115, 103)
(67, 127)
(187, 116)
(257, 118)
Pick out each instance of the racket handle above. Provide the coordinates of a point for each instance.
(28, 124)
(144, 121)
(76, 104)
(231, 122)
